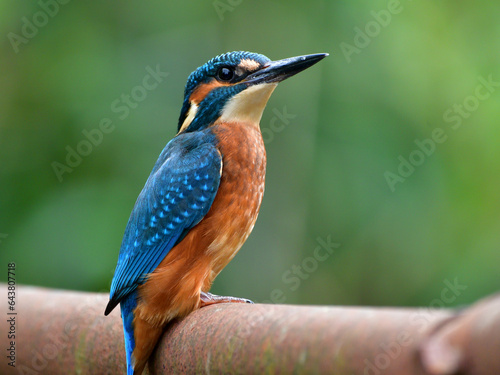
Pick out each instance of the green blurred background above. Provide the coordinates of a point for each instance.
(396, 72)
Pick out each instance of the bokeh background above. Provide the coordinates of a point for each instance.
(335, 134)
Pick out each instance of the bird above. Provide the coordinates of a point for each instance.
(200, 201)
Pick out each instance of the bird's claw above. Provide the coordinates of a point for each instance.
(207, 299)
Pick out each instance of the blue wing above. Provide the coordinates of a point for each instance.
(177, 195)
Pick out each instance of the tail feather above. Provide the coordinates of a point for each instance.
(140, 336)
(128, 305)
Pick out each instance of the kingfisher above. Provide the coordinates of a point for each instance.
(201, 200)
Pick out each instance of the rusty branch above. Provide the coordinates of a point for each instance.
(64, 332)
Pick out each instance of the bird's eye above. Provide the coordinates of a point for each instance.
(225, 73)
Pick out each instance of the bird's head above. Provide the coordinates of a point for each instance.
(235, 86)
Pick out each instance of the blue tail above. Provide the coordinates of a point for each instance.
(128, 305)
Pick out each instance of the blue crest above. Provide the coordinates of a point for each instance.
(214, 102)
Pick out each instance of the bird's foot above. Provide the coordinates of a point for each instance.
(207, 299)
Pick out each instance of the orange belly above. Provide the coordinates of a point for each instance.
(173, 289)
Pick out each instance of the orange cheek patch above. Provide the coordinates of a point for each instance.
(204, 89)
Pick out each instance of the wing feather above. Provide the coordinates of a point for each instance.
(177, 195)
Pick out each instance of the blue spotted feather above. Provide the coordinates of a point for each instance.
(177, 195)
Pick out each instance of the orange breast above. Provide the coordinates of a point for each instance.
(191, 266)
(236, 206)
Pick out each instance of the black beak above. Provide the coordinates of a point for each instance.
(277, 71)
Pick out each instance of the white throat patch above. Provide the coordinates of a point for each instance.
(248, 105)
(190, 117)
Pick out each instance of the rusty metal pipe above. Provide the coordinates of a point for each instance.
(65, 332)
